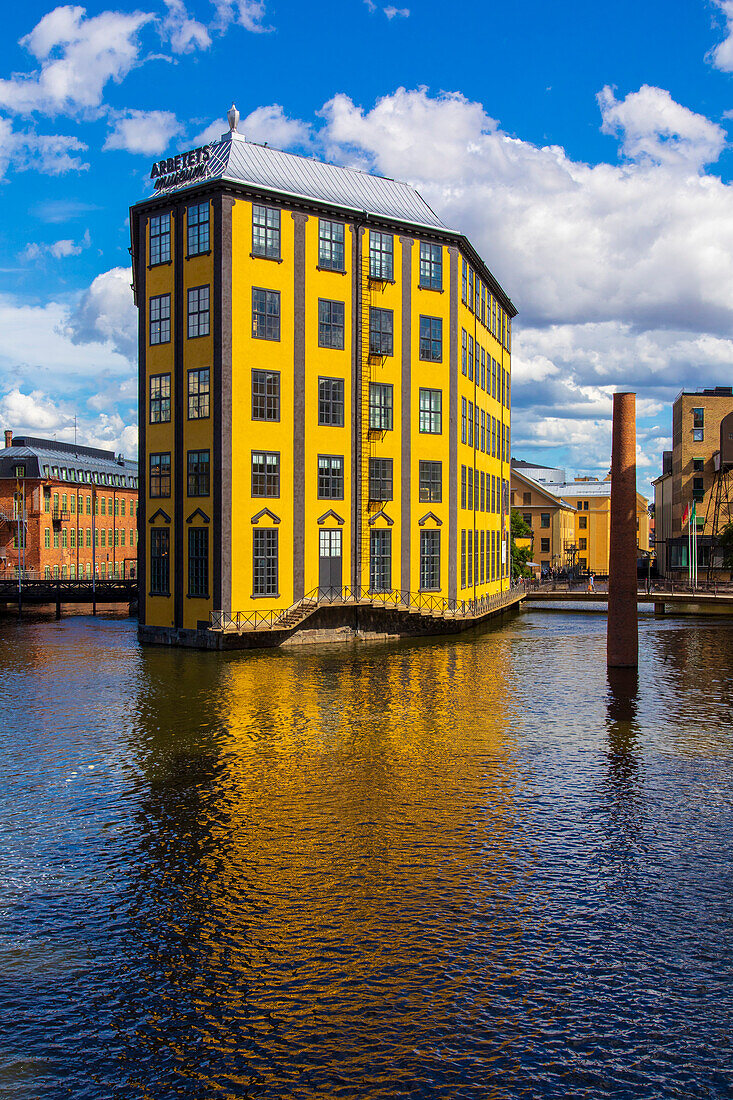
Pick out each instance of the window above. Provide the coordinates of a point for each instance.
(264, 562)
(431, 339)
(463, 559)
(55, 540)
(265, 314)
(545, 546)
(380, 561)
(266, 232)
(47, 538)
(160, 398)
(160, 475)
(698, 465)
(198, 229)
(430, 560)
(431, 482)
(330, 324)
(464, 281)
(483, 491)
(331, 245)
(198, 473)
(265, 394)
(583, 523)
(470, 359)
(330, 477)
(527, 516)
(431, 411)
(198, 561)
(483, 430)
(160, 319)
(198, 311)
(527, 498)
(470, 288)
(380, 479)
(380, 406)
(159, 561)
(380, 331)
(585, 505)
(469, 496)
(160, 239)
(464, 351)
(431, 266)
(463, 486)
(198, 394)
(470, 423)
(381, 255)
(582, 544)
(698, 425)
(464, 420)
(544, 519)
(265, 473)
(331, 402)
(698, 489)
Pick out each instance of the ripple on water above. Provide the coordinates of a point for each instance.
(461, 868)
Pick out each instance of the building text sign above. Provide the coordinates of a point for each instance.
(180, 169)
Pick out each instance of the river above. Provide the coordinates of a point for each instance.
(448, 868)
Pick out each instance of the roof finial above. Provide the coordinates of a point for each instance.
(233, 117)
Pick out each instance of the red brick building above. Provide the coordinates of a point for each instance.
(66, 511)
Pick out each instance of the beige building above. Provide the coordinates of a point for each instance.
(690, 474)
(551, 518)
(591, 500)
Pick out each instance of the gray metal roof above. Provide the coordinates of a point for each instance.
(35, 454)
(241, 161)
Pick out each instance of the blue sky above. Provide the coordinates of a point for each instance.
(585, 151)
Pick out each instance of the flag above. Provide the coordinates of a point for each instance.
(688, 514)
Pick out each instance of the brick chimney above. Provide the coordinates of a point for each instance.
(8, 437)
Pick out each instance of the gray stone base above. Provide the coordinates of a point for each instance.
(328, 625)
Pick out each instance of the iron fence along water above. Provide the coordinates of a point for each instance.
(398, 600)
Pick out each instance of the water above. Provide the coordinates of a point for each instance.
(463, 868)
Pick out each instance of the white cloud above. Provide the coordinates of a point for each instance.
(185, 34)
(392, 12)
(148, 132)
(643, 243)
(57, 249)
(265, 124)
(653, 127)
(77, 56)
(722, 55)
(247, 13)
(106, 313)
(35, 412)
(52, 154)
(31, 412)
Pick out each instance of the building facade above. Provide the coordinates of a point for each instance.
(690, 474)
(551, 518)
(592, 501)
(324, 391)
(67, 512)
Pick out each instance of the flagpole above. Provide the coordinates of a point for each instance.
(689, 548)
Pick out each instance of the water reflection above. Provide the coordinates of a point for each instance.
(452, 869)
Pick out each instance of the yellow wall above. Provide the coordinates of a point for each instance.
(248, 353)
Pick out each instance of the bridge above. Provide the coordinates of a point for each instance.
(58, 592)
(685, 600)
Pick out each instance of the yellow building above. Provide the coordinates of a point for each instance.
(551, 518)
(324, 391)
(592, 501)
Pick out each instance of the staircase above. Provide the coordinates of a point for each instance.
(296, 614)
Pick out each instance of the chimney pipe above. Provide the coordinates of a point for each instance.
(8, 437)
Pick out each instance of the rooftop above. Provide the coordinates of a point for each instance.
(57, 461)
(241, 161)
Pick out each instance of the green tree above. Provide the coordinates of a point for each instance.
(520, 555)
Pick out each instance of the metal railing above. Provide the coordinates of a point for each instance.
(425, 603)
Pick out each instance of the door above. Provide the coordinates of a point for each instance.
(329, 563)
